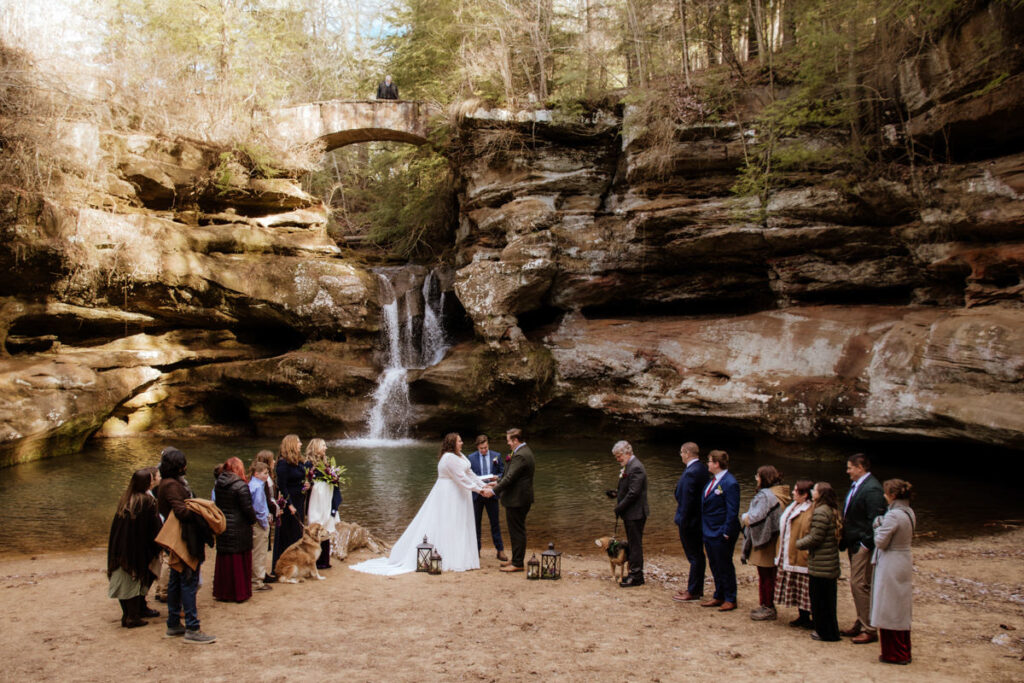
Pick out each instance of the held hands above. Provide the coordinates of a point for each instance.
(487, 492)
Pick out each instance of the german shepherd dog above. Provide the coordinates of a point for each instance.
(617, 553)
(299, 559)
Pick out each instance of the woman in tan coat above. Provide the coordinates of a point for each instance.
(761, 536)
(791, 587)
(892, 591)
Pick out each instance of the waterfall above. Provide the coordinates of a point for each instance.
(389, 416)
(391, 412)
(433, 344)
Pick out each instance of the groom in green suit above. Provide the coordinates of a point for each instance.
(516, 490)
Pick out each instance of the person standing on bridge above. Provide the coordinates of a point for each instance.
(387, 90)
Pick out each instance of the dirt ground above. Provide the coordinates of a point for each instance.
(490, 626)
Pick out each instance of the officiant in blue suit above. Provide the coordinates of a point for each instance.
(486, 462)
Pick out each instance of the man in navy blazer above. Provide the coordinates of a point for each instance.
(721, 527)
(485, 462)
(689, 499)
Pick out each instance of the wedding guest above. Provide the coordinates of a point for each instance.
(689, 490)
(516, 490)
(183, 582)
(488, 465)
(232, 577)
(863, 504)
(893, 590)
(721, 527)
(324, 496)
(160, 593)
(132, 551)
(631, 506)
(761, 536)
(791, 589)
(273, 509)
(822, 548)
(261, 529)
(290, 477)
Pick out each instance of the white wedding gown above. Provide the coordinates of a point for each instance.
(445, 518)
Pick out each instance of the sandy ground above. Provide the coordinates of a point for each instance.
(491, 626)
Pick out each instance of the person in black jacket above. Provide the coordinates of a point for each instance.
(864, 502)
(132, 549)
(387, 90)
(232, 577)
(631, 506)
(291, 475)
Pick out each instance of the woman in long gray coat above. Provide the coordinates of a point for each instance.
(892, 591)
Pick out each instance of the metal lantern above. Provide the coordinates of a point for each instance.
(551, 563)
(435, 562)
(423, 551)
(533, 568)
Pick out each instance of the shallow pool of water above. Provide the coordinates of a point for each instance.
(67, 503)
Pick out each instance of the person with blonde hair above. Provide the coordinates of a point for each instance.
(291, 475)
(324, 495)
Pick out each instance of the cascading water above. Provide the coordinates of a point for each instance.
(389, 417)
(434, 343)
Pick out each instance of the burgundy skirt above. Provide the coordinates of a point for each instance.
(232, 577)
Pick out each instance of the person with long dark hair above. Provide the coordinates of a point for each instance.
(132, 548)
(232, 575)
(445, 518)
(892, 594)
(822, 546)
(291, 475)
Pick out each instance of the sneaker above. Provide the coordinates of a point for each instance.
(199, 637)
(764, 614)
(263, 587)
(173, 631)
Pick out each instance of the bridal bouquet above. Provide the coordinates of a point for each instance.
(330, 472)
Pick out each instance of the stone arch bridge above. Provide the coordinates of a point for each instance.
(343, 122)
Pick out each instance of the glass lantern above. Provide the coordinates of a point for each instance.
(435, 562)
(423, 551)
(533, 568)
(551, 563)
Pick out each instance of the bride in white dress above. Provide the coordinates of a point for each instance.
(445, 518)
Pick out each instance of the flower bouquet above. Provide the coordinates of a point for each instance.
(329, 472)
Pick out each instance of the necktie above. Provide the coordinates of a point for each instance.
(486, 464)
(710, 486)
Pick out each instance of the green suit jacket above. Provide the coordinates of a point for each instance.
(516, 486)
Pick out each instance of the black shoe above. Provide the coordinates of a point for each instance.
(631, 581)
(149, 612)
(270, 578)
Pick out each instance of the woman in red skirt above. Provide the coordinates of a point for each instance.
(232, 578)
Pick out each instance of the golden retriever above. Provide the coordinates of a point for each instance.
(617, 551)
(299, 559)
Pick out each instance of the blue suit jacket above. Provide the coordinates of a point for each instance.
(720, 511)
(476, 462)
(689, 490)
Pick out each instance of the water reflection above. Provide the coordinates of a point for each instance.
(73, 498)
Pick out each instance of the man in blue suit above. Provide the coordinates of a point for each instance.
(486, 462)
(689, 498)
(721, 526)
